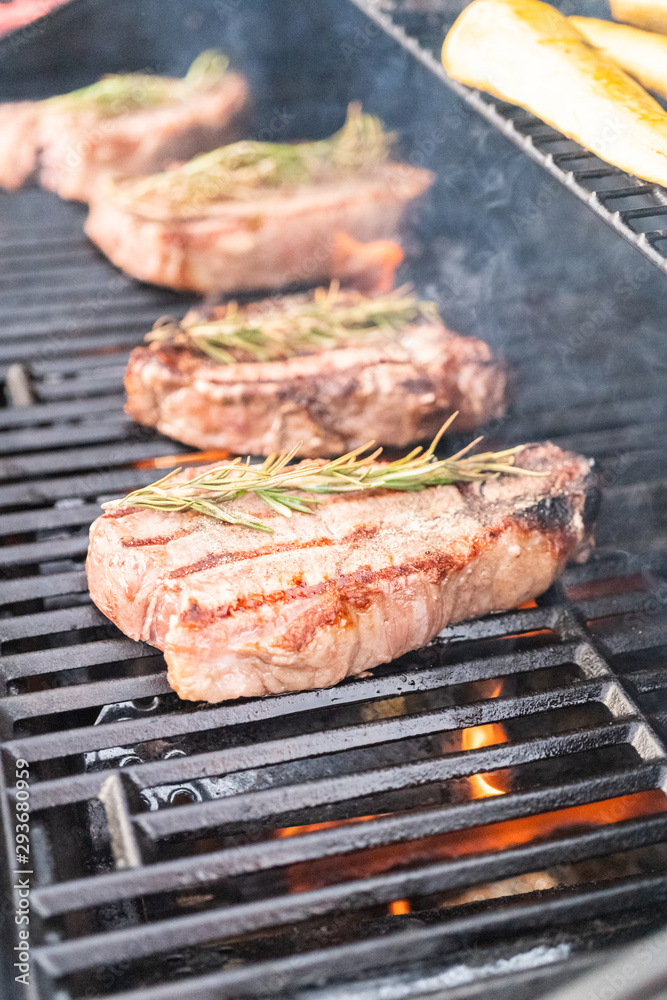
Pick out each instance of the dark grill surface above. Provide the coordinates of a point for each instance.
(182, 861)
(292, 846)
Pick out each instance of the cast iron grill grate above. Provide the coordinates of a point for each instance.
(291, 845)
(477, 818)
(635, 209)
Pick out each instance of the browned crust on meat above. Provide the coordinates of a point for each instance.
(339, 591)
(117, 512)
(226, 558)
(394, 391)
(134, 543)
(354, 592)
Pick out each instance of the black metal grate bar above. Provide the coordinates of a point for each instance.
(183, 931)
(191, 872)
(354, 960)
(59, 460)
(132, 730)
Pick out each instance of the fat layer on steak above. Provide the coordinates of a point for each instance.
(72, 152)
(394, 389)
(269, 241)
(365, 578)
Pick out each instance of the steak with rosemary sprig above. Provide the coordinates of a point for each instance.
(124, 125)
(331, 370)
(363, 579)
(257, 215)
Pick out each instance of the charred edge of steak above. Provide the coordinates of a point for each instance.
(555, 513)
(318, 395)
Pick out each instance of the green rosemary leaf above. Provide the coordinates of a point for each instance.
(206, 71)
(281, 486)
(119, 93)
(240, 170)
(296, 324)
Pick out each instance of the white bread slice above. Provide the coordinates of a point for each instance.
(642, 54)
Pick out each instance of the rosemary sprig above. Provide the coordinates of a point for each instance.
(242, 169)
(296, 324)
(205, 72)
(284, 487)
(118, 93)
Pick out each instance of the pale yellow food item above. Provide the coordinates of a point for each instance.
(642, 54)
(649, 14)
(528, 53)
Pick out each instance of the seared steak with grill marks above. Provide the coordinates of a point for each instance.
(362, 580)
(272, 240)
(71, 151)
(394, 387)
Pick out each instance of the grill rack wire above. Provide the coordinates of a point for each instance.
(635, 209)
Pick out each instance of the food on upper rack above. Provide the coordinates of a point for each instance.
(125, 124)
(256, 215)
(372, 560)
(642, 54)
(649, 14)
(330, 369)
(528, 53)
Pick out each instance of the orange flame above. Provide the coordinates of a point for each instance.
(366, 862)
(527, 605)
(483, 736)
(490, 837)
(399, 906)
(171, 461)
(370, 267)
(298, 831)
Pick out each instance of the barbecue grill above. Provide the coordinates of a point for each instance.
(482, 817)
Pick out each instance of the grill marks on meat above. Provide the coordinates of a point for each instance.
(224, 558)
(394, 390)
(72, 151)
(337, 592)
(272, 240)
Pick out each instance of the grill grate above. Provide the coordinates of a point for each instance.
(179, 885)
(635, 209)
(291, 846)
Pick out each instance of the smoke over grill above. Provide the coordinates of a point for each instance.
(479, 817)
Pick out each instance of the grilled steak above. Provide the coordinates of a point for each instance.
(72, 148)
(270, 241)
(392, 386)
(362, 580)
(256, 215)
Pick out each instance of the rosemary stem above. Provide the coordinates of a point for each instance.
(281, 486)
